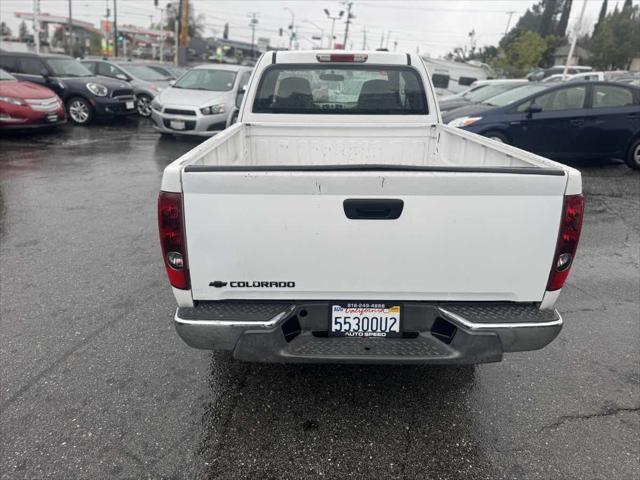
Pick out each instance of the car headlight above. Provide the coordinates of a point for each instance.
(97, 89)
(464, 121)
(156, 105)
(12, 100)
(212, 110)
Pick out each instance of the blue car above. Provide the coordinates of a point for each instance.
(573, 120)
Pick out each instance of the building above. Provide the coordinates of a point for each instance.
(581, 56)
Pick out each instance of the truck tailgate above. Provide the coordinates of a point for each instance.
(285, 234)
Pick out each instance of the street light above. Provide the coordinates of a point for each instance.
(319, 28)
(292, 26)
(333, 24)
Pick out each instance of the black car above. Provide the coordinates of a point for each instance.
(84, 95)
(573, 120)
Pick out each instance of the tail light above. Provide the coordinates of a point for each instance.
(342, 57)
(172, 240)
(570, 227)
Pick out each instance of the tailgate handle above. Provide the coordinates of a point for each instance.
(373, 208)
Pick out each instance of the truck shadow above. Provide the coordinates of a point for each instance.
(330, 420)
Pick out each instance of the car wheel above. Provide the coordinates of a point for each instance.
(144, 105)
(496, 137)
(633, 156)
(79, 111)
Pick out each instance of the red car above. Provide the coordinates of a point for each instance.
(27, 105)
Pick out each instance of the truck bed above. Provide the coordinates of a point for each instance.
(395, 146)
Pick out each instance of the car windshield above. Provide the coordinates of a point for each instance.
(143, 72)
(67, 67)
(490, 91)
(6, 76)
(206, 79)
(341, 90)
(514, 95)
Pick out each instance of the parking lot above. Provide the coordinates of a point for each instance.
(96, 384)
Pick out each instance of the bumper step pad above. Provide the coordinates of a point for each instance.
(354, 346)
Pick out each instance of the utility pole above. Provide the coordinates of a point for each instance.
(36, 24)
(382, 40)
(510, 13)
(115, 28)
(333, 24)
(162, 34)
(70, 30)
(291, 27)
(252, 24)
(364, 38)
(575, 39)
(346, 28)
(176, 34)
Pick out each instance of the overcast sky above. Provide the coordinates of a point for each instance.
(433, 26)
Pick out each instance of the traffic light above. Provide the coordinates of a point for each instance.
(155, 3)
(280, 32)
(225, 32)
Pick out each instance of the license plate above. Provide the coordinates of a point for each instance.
(177, 125)
(357, 319)
(52, 118)
(129, 105)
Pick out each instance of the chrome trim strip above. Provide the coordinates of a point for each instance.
(230, 323)
(492, 326)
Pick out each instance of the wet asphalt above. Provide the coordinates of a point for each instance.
(94, 382)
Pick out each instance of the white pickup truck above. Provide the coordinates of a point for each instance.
(340, 221)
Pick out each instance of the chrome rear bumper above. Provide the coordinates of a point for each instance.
(438, 333)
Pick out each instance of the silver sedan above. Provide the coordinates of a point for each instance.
(201, 102)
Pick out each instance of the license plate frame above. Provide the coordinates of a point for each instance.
(177, 124)
(129, 105)
(52, 117)
(358, 312)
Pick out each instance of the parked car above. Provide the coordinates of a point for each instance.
(146, 82)
(571, 120)
(28, 105)
(357, 228)
(541, 73)
(480, 94)
(85, 96)
(169, 71)
(202, 102)
(556, 77)
(508, 97)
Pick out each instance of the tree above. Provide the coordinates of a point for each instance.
(561, 30)
(548, 15)
(5, 31)
(22, 31)
(542, 17)
(617, 40)
(522, 52)
(196, 22)
(601, 16)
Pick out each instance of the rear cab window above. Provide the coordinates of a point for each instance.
(341, 90)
